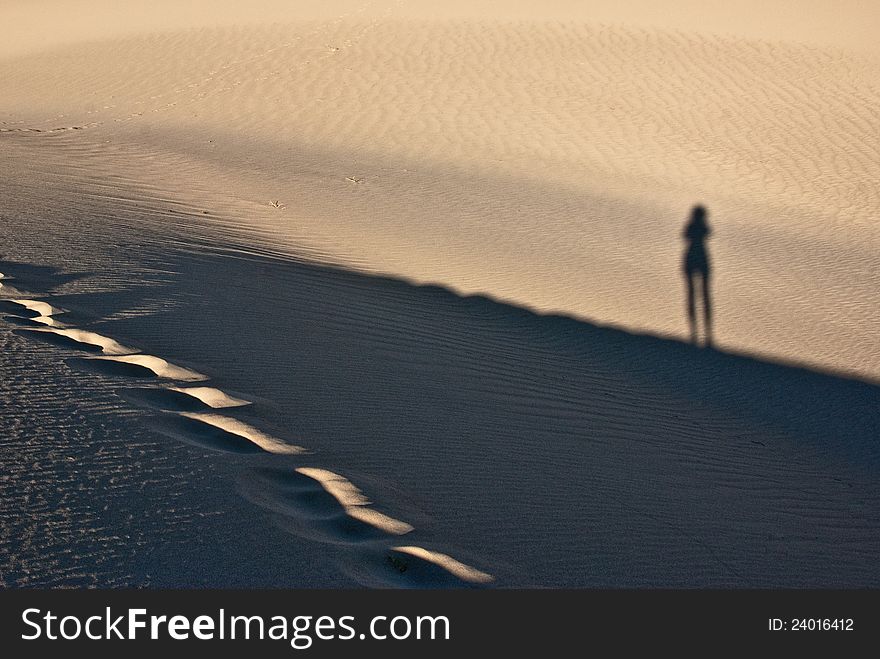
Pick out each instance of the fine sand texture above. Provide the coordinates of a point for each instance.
(389, 294)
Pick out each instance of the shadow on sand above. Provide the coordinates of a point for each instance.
(647, 460)
(432, 332)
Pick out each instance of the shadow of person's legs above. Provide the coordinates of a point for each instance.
(707, 307)
(691, 306)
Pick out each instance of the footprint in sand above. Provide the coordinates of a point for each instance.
(412, 566)
(38, 322)
(181, 399)
(323, 506)
(29, 308)
(310, 502)
(75, 338)
(30, 313)
(137, 366)
(191, 424)
(221, 433)
(320, 505)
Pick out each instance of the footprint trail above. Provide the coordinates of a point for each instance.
(222, 433)
(308, 501)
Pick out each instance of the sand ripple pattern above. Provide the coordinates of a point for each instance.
(785, 112)
(68, 517)
(316, 503)
(573, 149)
(542, 163)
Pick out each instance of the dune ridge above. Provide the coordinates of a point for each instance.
(158, 366)
(437, 249)
(348, 521)
(84, 337)
(575, 162)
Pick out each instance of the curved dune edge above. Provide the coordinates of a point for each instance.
(37, 321)
(380, 521)
(454, 567)
(108, 346)
(38, 306)
(354, 502)
(167, 399)
(236, 427)
(211, 397)
(159, 366)
(339, 487)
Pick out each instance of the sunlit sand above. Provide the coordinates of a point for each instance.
(582, 294)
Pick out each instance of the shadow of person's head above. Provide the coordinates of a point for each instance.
(698, 215)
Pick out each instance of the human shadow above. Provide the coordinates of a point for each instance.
(697, 270)
(397, 330)
(581, 426)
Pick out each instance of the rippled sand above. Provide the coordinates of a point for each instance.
(437, 249)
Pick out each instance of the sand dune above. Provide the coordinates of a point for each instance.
(556, 176)
(159, 398)
(182, 399)
(83, 338)
(439, 246)
(38, 308)
(353, 501)
(416, 567)
(147, 365)
(233, 426)
(594, 437)
(211, 397)
(318, 504)
(454, 567)
(206, 435)
(38, 322)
